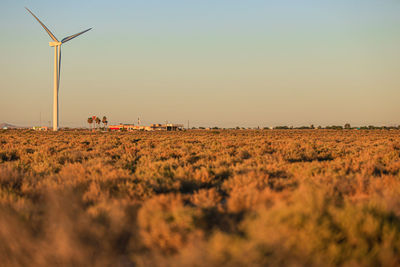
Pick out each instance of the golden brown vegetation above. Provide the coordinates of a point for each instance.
(200, 198)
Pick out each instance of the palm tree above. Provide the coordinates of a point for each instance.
(90, 120)
(98, 121)
(105, 122)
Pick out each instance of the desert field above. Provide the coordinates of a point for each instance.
(200, 198)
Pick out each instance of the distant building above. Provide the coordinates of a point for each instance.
(166, 127)
(40, 128)
(128, 127)
(152, 127)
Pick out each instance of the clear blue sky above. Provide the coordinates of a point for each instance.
(225, 63)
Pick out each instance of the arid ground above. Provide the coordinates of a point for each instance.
(200, 198)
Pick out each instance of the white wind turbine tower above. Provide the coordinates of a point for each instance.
(57, 65)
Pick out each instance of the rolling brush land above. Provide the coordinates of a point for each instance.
(200, 198)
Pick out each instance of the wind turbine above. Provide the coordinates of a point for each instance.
(57, 65)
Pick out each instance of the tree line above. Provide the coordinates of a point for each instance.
(94, 120)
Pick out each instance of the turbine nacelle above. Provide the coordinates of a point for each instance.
(52, 44)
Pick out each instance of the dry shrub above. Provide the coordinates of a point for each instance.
(200, 198)
(10, 179)
(206, 198)
(59, 232)
(247, 191)
(166, 223)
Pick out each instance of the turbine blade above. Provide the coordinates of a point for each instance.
(44, 26)
(66, 39)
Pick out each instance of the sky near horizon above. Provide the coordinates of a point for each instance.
(215, 63)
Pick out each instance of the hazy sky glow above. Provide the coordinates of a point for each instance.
(224, 63)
